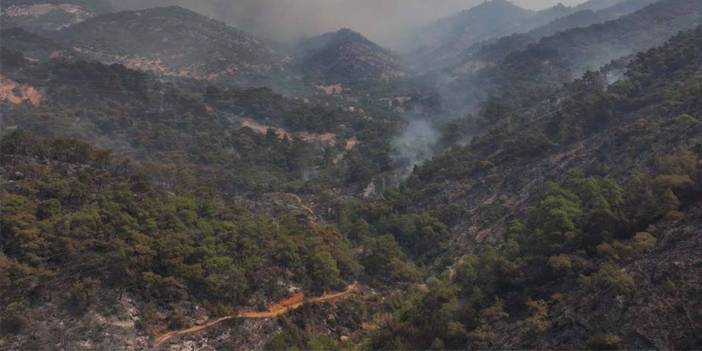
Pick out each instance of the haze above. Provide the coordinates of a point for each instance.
(286, 20)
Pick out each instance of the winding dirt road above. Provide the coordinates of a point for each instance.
(277, 309)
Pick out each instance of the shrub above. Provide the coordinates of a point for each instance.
(561, 263)
(616, 278)
(177, 319)
(644, 242)
(538, 321)
(48, 209)
(14, 319)
(82, 295)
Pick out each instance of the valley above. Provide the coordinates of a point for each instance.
(502, 178)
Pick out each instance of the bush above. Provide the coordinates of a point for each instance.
(616, 278)
(148, 316)
(644, 242)
(561, 263)
(48, 209)
(538, 321)
(177, 319)
(14, 319)
(82, 295)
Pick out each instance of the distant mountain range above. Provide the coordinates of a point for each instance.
(568, 54)
(542, 67)
(492, 51)
(446, 41)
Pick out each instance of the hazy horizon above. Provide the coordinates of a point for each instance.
(286, 20)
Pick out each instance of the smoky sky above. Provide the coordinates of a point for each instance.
(285, 20)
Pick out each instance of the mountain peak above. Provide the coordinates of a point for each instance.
(495, 4)
(171, 41)
(346, 55)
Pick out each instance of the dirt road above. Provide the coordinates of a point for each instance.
(274, 310)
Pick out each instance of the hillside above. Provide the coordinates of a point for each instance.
(220, 134)
(172, 41)
(169, 182)
(566, 55)
(530, 75)
(32, 45)
(448, 42)
(493, 51)
(448, 37)
(580, 219)
(346, 56)
(51, 14)
(122, 259)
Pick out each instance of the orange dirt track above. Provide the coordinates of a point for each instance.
(277, 309)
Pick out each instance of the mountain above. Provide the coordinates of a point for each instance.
(449, 40)
(589, 17)
(595, 5)
(172, 41)
(483, 54)
(346, 56)
(541, 68)
(575, 222)
(442, 40)
(51, 14)
(144, 209)
(211, 132)
(176, 196)
(565, 55)
(31, 45)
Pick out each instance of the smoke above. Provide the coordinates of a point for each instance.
(288, 20)
(415, 144)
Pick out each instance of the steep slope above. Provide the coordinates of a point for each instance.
(51, 14)
(172, 41)
(493, 51)
(443, 40)
(585, 18)
(31, 45)
(346, 56)
(540, 69)
(122, 258)
(561, 57)
(447, 42)
(577, 221)
(571, 127)
(242, 140)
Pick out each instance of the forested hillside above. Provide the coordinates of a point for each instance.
(346, 56)
(567, 55)
(50, 15)
(81, 228)
(496, 50)
(533, 180)
(582, 221)
(207, 132)
(174, 42)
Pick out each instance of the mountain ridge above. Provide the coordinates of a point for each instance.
(154, 40)
(346, 56)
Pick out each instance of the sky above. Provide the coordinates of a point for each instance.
(286, 20)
